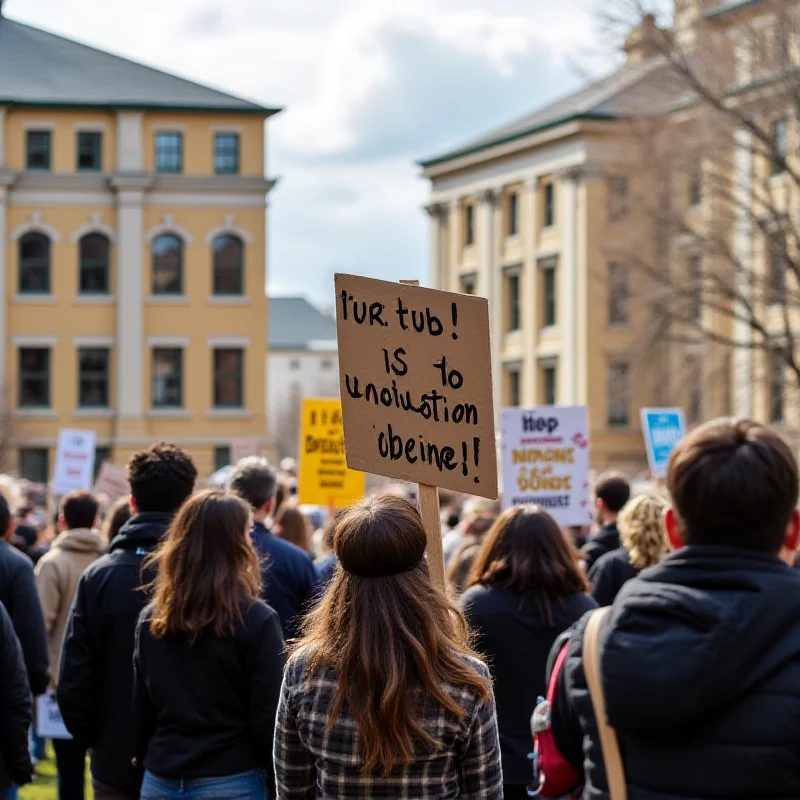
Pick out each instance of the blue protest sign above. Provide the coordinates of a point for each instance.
(663, 428)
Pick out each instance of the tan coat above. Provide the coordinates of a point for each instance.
(57, 576)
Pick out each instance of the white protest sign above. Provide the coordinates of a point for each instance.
(74, 467)
(49, 722)
(545, 461)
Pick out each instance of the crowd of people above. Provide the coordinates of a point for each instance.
(222, 644)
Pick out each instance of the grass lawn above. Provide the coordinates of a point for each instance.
(45, 786)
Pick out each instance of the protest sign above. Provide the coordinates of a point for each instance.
(243, 448)
(324, 478)
(416, 384)
(663, 428)
(74, 468)
(49, 722)
(546, 461)
(112, 481)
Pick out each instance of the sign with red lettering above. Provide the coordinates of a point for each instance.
(416, 384)
(74, 468)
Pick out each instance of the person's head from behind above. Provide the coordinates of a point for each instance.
(461, 563)
(206, 567)
(611, 493)
(161, 478)
(7, 521)
(292, 525)
(116, 517)
(734, 483)
(641, 531)
(387, 631)
(78, 510)
(526, 553)
(254, 480)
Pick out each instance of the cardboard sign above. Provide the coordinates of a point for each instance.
(74, 467)
(112, 481)
(49, 722)
(546, 461)
(416, 384)
(324, 478)
(243, 448)
(663, 428)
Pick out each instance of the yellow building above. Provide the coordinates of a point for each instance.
(132, 255)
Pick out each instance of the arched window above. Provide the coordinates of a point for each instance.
(228, 264)
(93, 267)
(34, 264)
(167, 264)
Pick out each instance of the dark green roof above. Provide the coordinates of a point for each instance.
(42, 69)
(731, 5)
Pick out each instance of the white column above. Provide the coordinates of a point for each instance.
(530, 291)
(436, 270)
(743, 247)
(455, 239)
(130, 144)
(567, 296)
(488, 285)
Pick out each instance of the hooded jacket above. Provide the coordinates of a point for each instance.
(700, 667)
(57, 576)
(95, 684)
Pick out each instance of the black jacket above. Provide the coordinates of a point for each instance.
(700, 664)
(15, 709)
(208, 710)
(19, 595)
(95, 684)
(609, 574)
(289, 577)
(511, 634)
(606, 540)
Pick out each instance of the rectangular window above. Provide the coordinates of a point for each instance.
(549, 204)
(513, 214)
(618, 398)
(226, 153)
(469, 225)
(90, 151)
(618, 294)
(33, 464)
(777, 389)
(617, 198)
(776, 290)
(513, 388)
(228, 378)
(169, 151)
(512, 283)
(38, 146)
(101, 454)
(34, 377)
(549, 385)
(696, 287)
(549, 294)
(696, 185)
(779, 146)
(222, 457)
(93, 377)
(167, 378)
(468, 283)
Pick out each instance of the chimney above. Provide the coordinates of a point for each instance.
(642, 41)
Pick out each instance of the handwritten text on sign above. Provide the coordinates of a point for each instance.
(546, 461)
(416, 384)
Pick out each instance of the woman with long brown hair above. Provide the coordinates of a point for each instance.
(291, 525)
(208, 660)
(383, 696)
(526, 587)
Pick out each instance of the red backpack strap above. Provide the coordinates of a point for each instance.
(551, 688)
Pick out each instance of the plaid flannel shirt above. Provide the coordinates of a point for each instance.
(313, 762)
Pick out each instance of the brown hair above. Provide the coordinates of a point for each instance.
(206, 566)
(733, 482)
(387, 631)
(461, 563)
(116, 517)
(641, 531)
(79, 510)
(527, 553)
(291, 525)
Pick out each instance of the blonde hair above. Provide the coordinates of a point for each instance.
(641, 531)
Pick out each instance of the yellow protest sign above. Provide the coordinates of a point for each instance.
(324, 478)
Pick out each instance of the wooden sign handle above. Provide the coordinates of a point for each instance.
(428, 497)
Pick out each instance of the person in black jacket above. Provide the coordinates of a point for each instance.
(95, 684)
(20, 597)
(287, 571)
(644, 544)
(15, 710)
(525, 588)
(611, 493)
(208, 661)
(700, 655)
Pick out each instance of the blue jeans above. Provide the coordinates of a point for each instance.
(245, 786)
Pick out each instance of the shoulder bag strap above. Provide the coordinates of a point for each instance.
(615, 773)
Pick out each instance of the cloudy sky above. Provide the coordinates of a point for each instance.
(368, 87)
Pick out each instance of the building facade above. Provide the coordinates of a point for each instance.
(132, 256)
